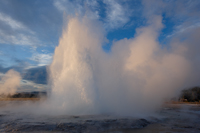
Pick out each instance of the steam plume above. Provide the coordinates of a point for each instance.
(135, 77)
(10, 82)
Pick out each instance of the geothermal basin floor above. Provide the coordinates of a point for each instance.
(172, 118)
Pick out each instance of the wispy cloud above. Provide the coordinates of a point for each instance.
(182, 16)
(182, 28)
(14, 24)
(42, 59)
(18, 39)
(116, 14)
(28, 86)
(15, 32)
(69, 7)
(87, 7)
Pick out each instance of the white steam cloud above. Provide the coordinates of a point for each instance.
(137, 76)
(10, 82)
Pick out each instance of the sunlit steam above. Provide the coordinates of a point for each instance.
(10, 82)
(135, 77)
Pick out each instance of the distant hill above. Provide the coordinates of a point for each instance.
(37, 75)
(34, 94)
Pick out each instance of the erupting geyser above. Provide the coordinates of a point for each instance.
(135, 77)
(72, 76)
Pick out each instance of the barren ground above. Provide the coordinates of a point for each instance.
(172, 118)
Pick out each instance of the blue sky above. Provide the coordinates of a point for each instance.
(30, 29)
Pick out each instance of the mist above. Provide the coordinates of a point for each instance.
(134, 78)
(10, 82)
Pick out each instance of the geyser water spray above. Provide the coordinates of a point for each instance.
(135, 77)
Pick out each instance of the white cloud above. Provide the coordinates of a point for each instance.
(182, 28)
(15, 32)
(58, 4)
(18, 39)
(87, 7)
(183, 16)
(94, 9)
(14, 24)
(42, 59)
(68, 7)
(29, 86)
(117, 15)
